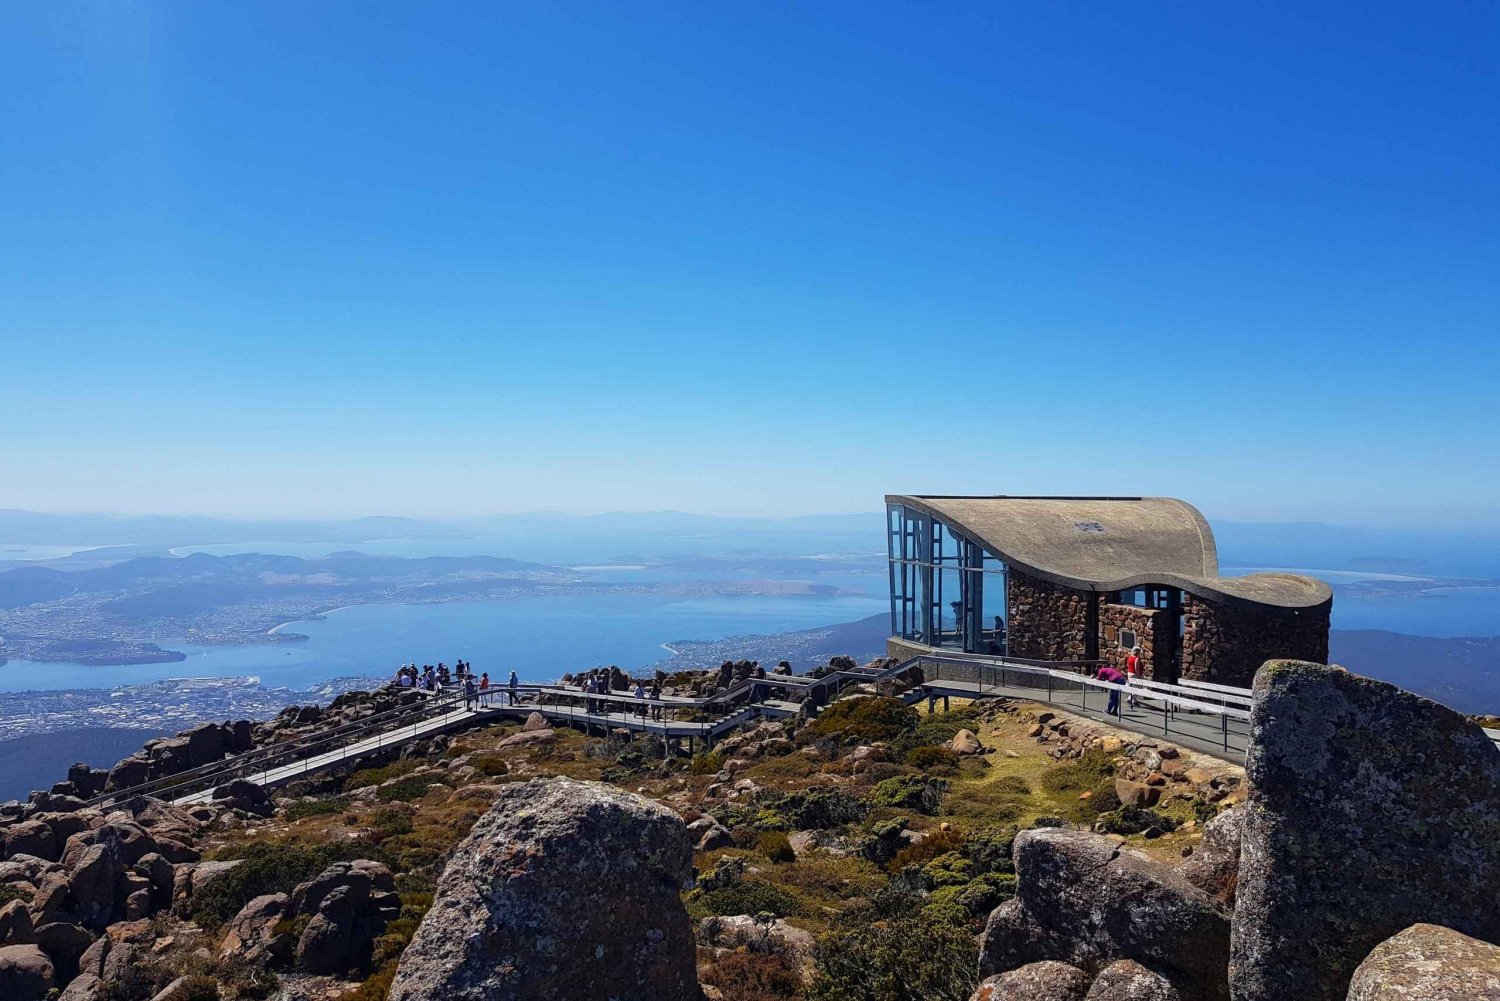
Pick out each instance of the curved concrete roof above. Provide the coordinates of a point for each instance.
(1112, 544)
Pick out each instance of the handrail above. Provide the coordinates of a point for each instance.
(1147, 683)
(1078, 679)
(262, 757)
(1226, 689)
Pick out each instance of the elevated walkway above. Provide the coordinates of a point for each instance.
(1212, 719)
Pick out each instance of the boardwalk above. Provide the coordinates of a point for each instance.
(1213, 722)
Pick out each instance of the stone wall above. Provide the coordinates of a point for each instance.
(1154, 634)
(1226, 644)
(1047, 621)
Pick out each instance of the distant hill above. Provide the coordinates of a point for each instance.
(1463, 672)
(37, 762)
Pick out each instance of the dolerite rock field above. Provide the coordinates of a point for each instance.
(869, 850)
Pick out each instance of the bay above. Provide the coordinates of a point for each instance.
(540, 638)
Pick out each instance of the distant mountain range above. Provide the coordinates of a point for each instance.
(111, 613)
(555, 537)
(1463, 673)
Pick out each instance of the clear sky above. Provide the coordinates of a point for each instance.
(436, 259)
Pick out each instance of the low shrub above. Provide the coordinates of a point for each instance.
(924, 851)
(969, 903)
(818, 808)
(746, 896)
(935, 730)
(1011, 785)
(375, 776)
(909, 792)
(907, 959)
(748, 976)
(1133, 820)
(883, 841)
(936, 760)
(948, 869)
(390, 822)
(491, 765)
(268, 867)
(775, 846)
(1081, 774)
(861, 720)
(707, 764)
(315, 808)
(405, 789)
(989, 848)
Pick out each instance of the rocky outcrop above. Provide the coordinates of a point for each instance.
(1128, 980)
(1085, 900)
(250, 936)
(564, 889)
(1214, 866)
(1045, 981)
(348, 905)
(26, 974)
(1371, 809)
(1428, 963)
(242, 794)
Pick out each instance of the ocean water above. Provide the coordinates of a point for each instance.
(539, 638)
(1439, 611)
(543, 637)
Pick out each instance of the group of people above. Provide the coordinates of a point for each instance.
(432, 678)
(1114, 676)
(608, 680)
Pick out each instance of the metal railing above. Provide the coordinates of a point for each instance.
(976, 678)
(263, 760)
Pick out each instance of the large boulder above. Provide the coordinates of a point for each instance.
(63, 943)
(1214, 866)
(31, 837)
(349, 904)
(1370, 810)
(565, 889)
(25, 973)
(250, 936)
(1048, 980)
(16, 926)
(205, 744)
(1428, 963)
(242, 794)
(328, 943)
(91, 886)
(1085, 900)
(1128, 980)
(128, 773)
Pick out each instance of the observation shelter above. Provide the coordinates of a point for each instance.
(1082, 581)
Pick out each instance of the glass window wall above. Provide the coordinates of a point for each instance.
(946, 591)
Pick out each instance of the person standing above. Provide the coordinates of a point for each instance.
(1133, 671)
(640, 700)
(512, 684)
(471, 690)
(484, 689)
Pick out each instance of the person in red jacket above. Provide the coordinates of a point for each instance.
(1133, 670)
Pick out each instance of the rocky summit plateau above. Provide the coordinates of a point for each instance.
(873, 850)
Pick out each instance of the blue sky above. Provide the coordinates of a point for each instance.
(338, 259)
